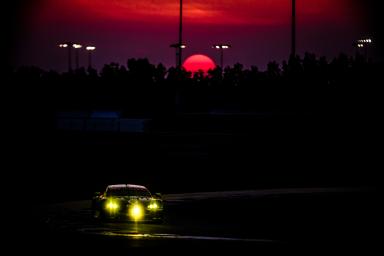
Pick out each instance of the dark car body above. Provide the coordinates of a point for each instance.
(127, 202)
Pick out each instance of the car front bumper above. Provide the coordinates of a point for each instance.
(124, 215)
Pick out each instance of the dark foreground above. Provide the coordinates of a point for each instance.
(192, 153)
(263, 222)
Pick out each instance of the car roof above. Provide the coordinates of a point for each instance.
(126, 186)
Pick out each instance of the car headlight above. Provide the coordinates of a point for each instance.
(112, 205)
(153, 206)
(136, 212)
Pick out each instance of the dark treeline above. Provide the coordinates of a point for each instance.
(306, 85)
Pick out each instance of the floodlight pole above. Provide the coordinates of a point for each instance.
(180, 34)
(70, 58)
(293, 43)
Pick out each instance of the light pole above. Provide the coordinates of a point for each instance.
(77, 48)
(68, 45)
(178, 48)
(221, 47)
(90, 49)
(293, 43)
(364, 44)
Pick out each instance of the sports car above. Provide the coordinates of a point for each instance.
(127, 202)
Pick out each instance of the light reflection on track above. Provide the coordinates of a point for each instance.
(136, 235)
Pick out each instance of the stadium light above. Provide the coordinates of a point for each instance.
(90, 49)
(364, 44)
(178, 47)
(67, 46)
(221, 47)
(77, 47)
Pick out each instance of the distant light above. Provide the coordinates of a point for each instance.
(221, 46)
(77, 46)
(363, 43)
(90, 48)
(182, 46)
(366, 40)
(63, 45)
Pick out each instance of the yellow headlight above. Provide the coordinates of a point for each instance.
(112, 205)
(153, 206)
(136, 212)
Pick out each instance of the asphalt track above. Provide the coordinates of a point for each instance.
(263, 222)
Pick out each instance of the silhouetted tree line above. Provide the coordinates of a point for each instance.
(304, 84)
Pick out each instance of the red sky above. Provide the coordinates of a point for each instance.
(223, 12)
(259, 30)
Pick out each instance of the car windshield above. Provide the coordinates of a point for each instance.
(128, 191)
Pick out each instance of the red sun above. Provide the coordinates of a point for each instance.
(199, 62)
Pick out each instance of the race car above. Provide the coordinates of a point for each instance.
(127, 202)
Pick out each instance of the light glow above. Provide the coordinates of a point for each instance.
(90, 48)
(221, 46)
(153, 206)
(182, 46)
(365, 41)
(112, 205)
(136, 212)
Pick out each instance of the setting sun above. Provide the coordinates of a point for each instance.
(199, 62)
